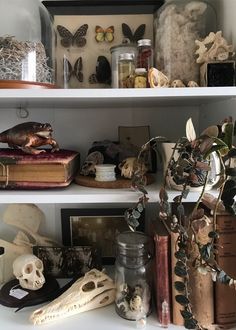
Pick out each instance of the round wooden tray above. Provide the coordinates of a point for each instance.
(88, 181)
(20, 84)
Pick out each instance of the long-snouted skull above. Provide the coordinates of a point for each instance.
(28, 269)
(94, 290)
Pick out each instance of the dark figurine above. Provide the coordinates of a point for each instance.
(28, 136)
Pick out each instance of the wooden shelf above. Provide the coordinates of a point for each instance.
(113, 98)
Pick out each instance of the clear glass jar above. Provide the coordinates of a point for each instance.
(115, 53)
(133, 275)
(26, 45)
(126, 67)
(177, 24)
(140, 78)
(145, 54)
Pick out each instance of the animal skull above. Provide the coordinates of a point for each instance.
(95, 158)
(177, 83)
(94, 290)
(28, 269)
(131, 165)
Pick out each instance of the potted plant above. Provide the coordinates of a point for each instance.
(192, 165)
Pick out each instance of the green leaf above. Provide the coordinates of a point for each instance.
(140, 207)
(179, 271)
(223, 278)
(190, 324)
(213, 234)
(179, 286)
(180, 264)
(136, 214)
(186, 314)
(205, 251)
(180, 255)
(182, 300)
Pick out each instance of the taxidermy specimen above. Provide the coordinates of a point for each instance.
(29, 135)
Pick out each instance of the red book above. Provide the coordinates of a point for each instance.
(162, 274)
(19, 170)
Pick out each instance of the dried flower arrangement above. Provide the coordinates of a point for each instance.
(14, 55)
(194, 161)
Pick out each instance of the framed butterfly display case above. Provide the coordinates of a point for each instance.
(87, 30)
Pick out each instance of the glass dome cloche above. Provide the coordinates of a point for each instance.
(26, 45)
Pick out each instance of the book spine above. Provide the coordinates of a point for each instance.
(225, 296)
(162, 265)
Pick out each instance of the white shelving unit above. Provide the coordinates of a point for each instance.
(79, 117)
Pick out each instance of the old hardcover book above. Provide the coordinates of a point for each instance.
(18, 169)
(162, 273)
(225, 296)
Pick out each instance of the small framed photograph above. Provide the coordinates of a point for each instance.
(96, 227)
(63, 262)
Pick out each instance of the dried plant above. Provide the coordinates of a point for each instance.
(191, 168)
(14, 57)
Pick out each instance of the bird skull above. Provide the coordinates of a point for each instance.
(28, 269)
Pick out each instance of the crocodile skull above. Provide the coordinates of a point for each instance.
(28, 269)
(94, 290)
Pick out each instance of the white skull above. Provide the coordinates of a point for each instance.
(28, 269)
(177, 83)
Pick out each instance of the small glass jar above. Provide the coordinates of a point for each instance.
(126, 67)
(145, 54)
(27, 57)
(177, 24)
(140, 78)
(133, 275)
(115, 53)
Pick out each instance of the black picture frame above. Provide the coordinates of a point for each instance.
(97, 227)
(67, 261)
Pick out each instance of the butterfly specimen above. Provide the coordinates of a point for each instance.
(133, 37)
(68, 39)
(103, 72)
(104, 34)
(69, 71)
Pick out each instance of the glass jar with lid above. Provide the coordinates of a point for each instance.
(133, 275)
(140, 78)
(177, 24)
(26, 45)
(145, 54)
(126, 67)
(115, 53)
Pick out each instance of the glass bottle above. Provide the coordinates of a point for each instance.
(140, 78)
(115, 53)
(27, 45)
(177, 24)
(145, 54)
(133, 275)
(126, 67)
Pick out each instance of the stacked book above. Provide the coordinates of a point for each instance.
(45, 170)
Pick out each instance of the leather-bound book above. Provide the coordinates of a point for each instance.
(44, 170)
(162, 271)
(225, 296)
